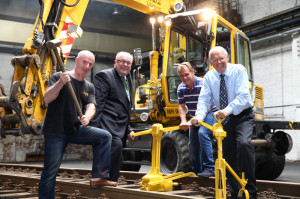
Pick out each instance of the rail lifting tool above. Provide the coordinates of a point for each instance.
(154, 180)
(221, 165)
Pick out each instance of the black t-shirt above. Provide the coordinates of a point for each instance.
(61, 117)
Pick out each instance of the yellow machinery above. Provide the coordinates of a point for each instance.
(221, 165)
(183, 36)
(154, 180)
(188, 36)
(24, 109)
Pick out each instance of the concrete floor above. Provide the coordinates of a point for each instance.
(291, 172)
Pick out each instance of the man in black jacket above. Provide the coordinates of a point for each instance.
(113, 107)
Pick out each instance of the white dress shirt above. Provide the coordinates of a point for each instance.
(237, 85)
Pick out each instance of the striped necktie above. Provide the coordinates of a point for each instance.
(223, 96)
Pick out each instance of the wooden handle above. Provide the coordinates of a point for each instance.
(62, 66)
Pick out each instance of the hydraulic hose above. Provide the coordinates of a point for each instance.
(69, 5)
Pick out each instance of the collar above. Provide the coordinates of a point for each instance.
(123, 76)
(226, 72)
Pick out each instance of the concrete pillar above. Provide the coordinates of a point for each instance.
(295, 69)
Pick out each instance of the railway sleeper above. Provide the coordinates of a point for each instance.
(22, 181)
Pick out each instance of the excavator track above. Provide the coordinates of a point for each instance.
(21, 181)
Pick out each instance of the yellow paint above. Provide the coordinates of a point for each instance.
(221, 165)
(154, 180)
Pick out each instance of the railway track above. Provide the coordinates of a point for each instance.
(21, 181)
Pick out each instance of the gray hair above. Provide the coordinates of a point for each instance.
(124, 53)
(86, 52)
(217, 48)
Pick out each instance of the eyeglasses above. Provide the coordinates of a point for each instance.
(124, 62)
(218, 60)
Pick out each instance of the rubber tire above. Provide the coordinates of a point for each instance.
(175, 155)
(271, 168)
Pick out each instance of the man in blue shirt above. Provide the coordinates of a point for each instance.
(237, 149)
(200, 146)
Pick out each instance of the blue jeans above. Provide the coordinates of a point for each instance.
(54, 150)
(200, 146)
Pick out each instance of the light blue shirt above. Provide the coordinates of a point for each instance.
(237, 85)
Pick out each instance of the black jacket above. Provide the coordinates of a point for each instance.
(113, 106)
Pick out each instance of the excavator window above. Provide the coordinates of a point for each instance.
(197, 56)
(185, 46)
(243, 55)
(190, 40)
(177, 55)
(223, 38)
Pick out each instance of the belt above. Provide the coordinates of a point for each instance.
(246, 111)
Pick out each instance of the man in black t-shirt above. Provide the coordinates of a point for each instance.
(62, 125)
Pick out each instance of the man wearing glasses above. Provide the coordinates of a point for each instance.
(112, 95)
(228, 86)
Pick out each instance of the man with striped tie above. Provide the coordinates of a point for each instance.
(228, 86)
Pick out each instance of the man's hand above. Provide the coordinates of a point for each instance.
(84, 120)
(221, 114)
(185, 126)
(53, 91)
(65, 77)
(194, 121)
(131, 136)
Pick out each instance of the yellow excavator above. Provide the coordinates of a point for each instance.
(23, 110)
(188, 35)
(183, 35)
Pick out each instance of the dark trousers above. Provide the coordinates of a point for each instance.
(116, 157)
(238, 152)
(54, 151)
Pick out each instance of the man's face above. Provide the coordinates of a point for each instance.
(123, 64)
(186, 76)
(84, 63)
(219, 61)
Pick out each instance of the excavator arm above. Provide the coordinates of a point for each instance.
(23, 110)
(154, 6)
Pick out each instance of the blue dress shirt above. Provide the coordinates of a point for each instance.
(237, 85)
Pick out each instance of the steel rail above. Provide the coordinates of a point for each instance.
(71, 179)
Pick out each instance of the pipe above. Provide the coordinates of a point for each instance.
(277, 26)
(261, 142)
(289, 32)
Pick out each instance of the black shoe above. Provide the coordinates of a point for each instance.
(206, 173)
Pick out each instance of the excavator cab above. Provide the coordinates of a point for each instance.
(188, 37)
